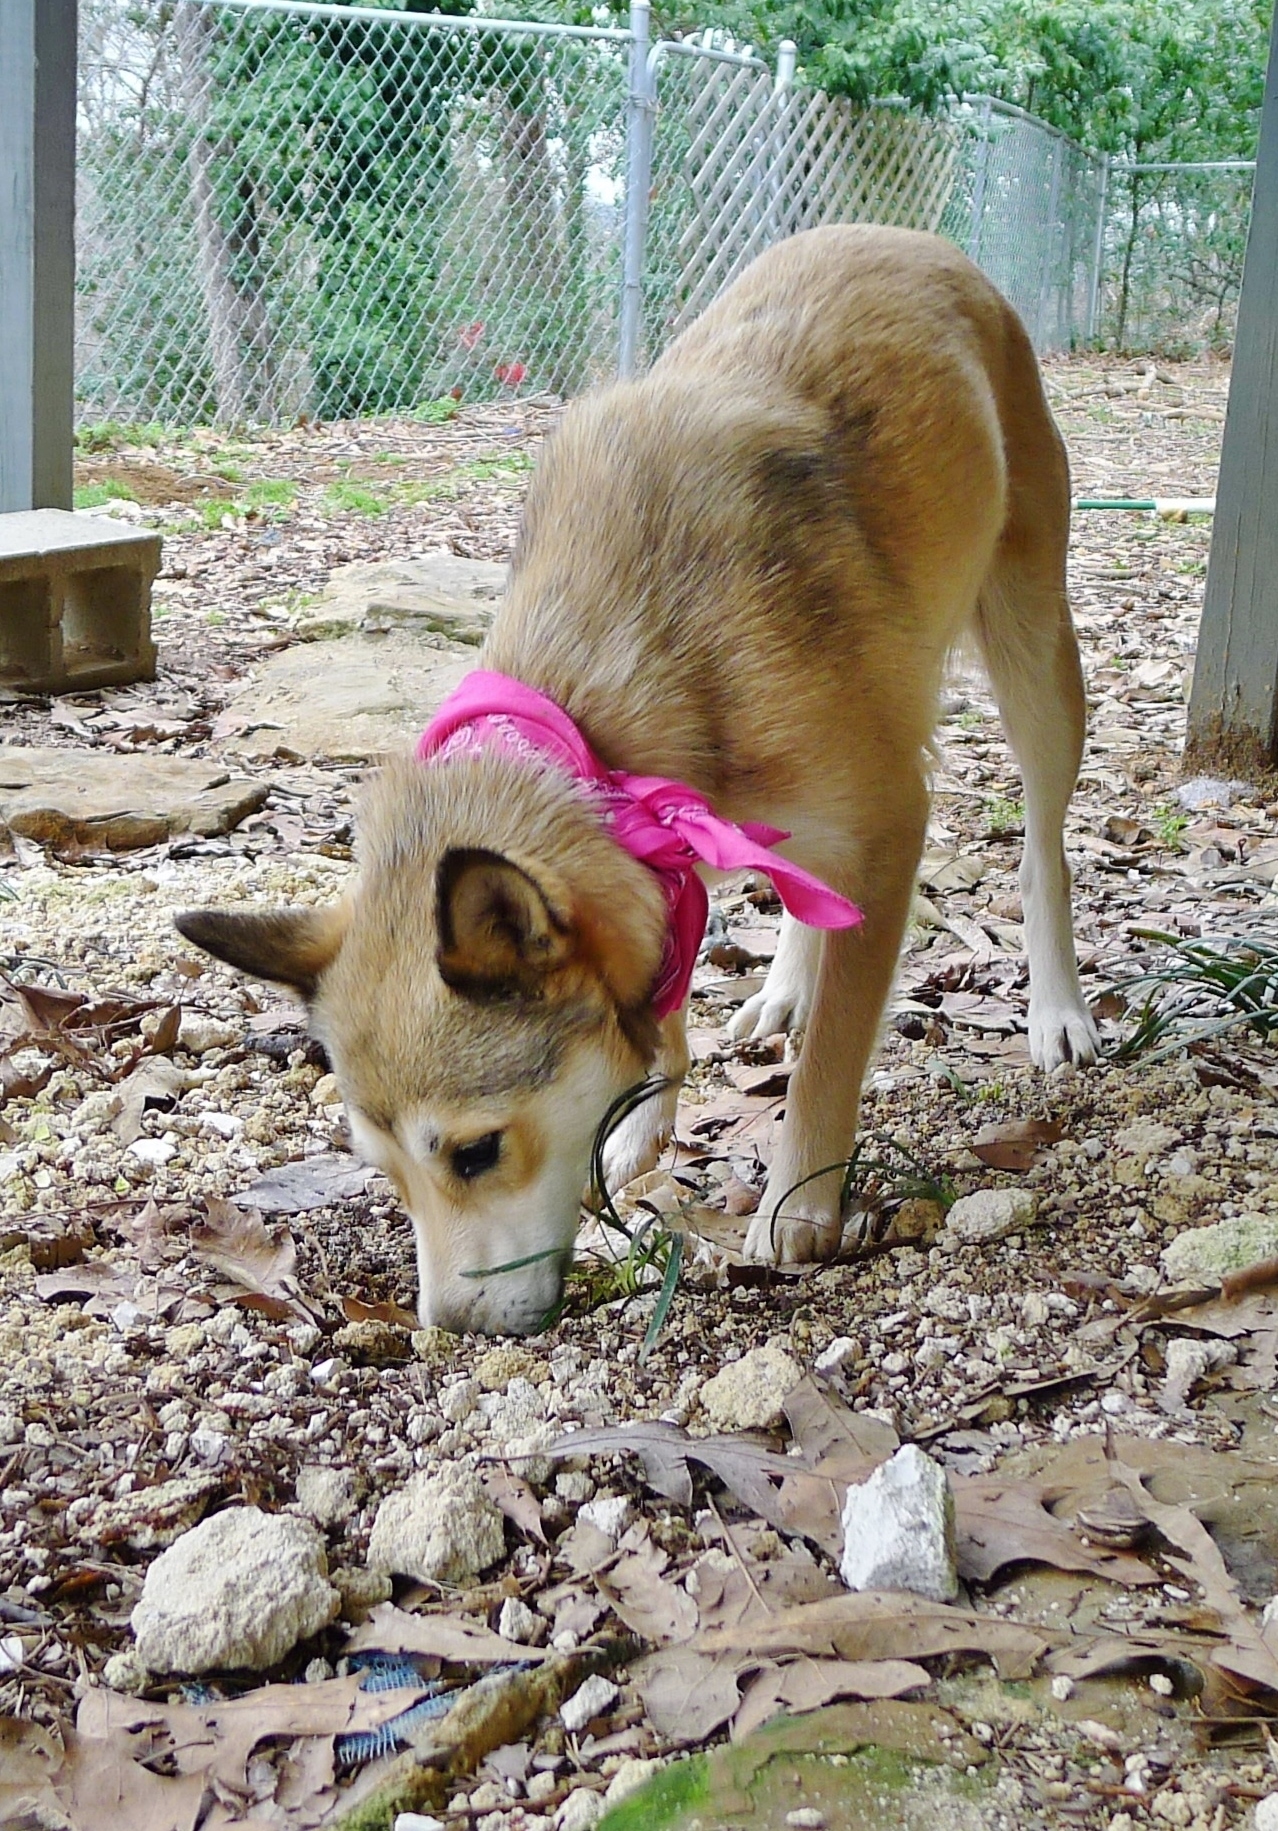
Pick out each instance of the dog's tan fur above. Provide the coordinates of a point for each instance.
(744, 572)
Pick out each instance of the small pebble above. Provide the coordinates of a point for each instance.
(1159, 1682)
(806, 1818)
(1062, 1688)
(591, 1699)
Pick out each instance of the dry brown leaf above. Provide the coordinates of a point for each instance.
(1001, 1521)
(1249, 1654)
(236, 1242)
(875, 1625)
(101, 1788)
(29, 1758)
(455, 1637)
(1016, 1144)
(649, 1604)
(390, 1312)
(807, 1684)
(513, 1497)
(154, 1083)
(689, 1695)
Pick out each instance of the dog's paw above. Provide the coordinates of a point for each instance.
(776, 1008)
(636, 1144)
(800, 1236)
(1062, 1033)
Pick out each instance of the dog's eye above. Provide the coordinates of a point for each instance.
(471, 1160)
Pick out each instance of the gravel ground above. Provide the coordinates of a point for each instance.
(126, 1361)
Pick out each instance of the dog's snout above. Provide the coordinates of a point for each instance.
(492, 1306)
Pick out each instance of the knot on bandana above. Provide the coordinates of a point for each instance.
(665, 825)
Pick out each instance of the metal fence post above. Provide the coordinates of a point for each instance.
(640, 112)
(787, 58)
(1098, 251)
(37, 251)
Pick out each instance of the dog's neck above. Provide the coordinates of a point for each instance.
(666, 826)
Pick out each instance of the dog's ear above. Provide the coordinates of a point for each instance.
(498, 932)
(290, 946)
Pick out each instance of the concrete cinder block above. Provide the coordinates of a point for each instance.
(75, 602)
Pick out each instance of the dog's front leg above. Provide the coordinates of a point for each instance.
(636, 1144)
(800, 1216)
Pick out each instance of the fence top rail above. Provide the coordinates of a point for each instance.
(683, 47)
(1183, 165)
(994, 104)
(429, 22)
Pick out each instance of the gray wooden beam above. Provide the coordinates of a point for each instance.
(37, 251)
(1233, 711)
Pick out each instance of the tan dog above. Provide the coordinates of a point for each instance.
(744, 572)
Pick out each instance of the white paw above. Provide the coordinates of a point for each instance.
(1062, 1033)
(805, 1232)
(779, 1007)
(636, 1144)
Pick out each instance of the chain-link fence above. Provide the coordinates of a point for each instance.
(291, 207)
(294, 209)
(1174, 246)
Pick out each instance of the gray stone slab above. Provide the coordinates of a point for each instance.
(383, 647)
(94, 798)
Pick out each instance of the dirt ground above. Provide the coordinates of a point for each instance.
(154, 1366)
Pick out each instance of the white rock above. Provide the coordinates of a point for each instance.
(199, 1034)
(225, 1125)
(581, 1811)
(608, 1514)
(326, 1493)
(418, 1821)
(806, 1818)
(439, 1528)
(458, 1401)
(516, 1621)
(629, 1777)
(990, 1214)
(1229, 1246)
(153, 1151)
(591, 1699)
(125, 1672)
(1062, 1688)
(1188, 1362)
(1265, 1814)
(238, 1590)
(749, 1394)
(842, 1349)
(326, 1091)
(898, 1529)
(12, 1654)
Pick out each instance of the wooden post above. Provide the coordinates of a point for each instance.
(37, 252)
(1233, 712)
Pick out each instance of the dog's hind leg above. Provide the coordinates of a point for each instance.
(1026, 637)
(786, 998)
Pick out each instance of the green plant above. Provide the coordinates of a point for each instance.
(267, 494)
(110, 435)
(353, 499)
(94, 495)
(213, 514)
(1169, 823)
(436, 413)
(1004, 816)
(1200, 990)
(229, 473)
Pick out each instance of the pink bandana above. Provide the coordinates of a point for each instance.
(665, 825)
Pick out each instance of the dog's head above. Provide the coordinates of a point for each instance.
(482, 1006)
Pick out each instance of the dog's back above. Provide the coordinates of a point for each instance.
(801, 500)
